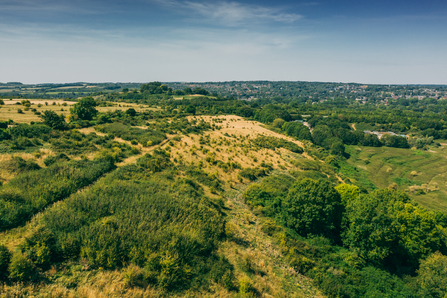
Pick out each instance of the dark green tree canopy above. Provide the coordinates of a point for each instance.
(313, 207)
(85, 109)
(53, 120)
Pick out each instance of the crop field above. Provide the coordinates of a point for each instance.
(421, 174)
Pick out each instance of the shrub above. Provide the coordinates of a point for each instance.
(252, 173)
(19, 165)
(5, 259)
(29, 192)
(61, 157)
(21, 268)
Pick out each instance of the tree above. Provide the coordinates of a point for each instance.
(385, 228)
(432, 276)
(347, 192)
(278, 122)
(131, 112)
(190, 109)
(313, 207)
(53, 120)
(1, 102)
(85, 109)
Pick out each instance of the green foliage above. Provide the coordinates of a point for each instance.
(19, 165)
(53, 120)
(154, 88)
(347, 192)
(85, 109)
(271, 112)
(269, 193)
(432, 276)
(387, 230)
(21, 268)
(253, 173)
(297, 130)
(273, 143)
(30, 192)
(156, 162)
(5, 259)
(29, 131)
(128, 133)
(278, 123)
(164, 225)
(394, 141)
(313, 207)
(61, 157)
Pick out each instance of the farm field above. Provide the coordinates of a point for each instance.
(421, 174)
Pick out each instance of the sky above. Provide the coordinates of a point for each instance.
(375, 42)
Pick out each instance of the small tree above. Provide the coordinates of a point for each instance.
(278, 122)
(53, 120)
(313, 207)
(85, 109)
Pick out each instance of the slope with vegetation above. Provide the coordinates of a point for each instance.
(211, 196)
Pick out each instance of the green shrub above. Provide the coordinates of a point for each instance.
(61, 157)
(30, 192)
(19, 165)
(252, 173)
(5, 259)
(273, 143)
(21, 268)
(129, 133)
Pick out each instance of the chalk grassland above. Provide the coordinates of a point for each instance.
(422, 174)
(276, 277)
(10, 109)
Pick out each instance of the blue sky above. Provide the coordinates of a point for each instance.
(390, 42)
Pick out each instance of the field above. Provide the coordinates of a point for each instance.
(10, 109)
(421, 174)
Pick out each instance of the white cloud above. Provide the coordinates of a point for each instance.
(231, 13)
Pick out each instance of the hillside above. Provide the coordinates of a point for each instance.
(178, 198)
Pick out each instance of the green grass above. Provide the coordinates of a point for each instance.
(384, 166)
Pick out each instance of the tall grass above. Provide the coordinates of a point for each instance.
(30, 192)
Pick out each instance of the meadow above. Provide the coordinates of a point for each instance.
(421, 174)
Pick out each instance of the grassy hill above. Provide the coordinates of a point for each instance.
(421, 174)
(138, 204)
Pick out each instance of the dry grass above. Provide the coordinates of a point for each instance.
(9, 110)
(6, 176)
(271, 275)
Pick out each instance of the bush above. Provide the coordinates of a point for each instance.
(19, 165)
(252, 173)
(61, 157)
(146, 137)
(21, 268)
(273, 143)
(5, 259)
(30, 192)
